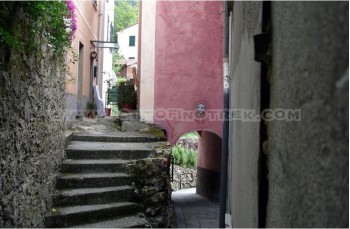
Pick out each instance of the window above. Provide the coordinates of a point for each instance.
(132, 41)
(131, 58)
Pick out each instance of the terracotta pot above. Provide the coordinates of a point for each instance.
(108, 111)
(127, 107)
(91, 114)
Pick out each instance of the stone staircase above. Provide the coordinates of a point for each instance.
(93, 189)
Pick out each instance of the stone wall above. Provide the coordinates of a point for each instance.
(291, 173)
(31, 134)
(308, 161)
(188, 143)
(151, 180)
(184, 178)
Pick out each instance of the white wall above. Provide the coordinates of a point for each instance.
(244, 135)
(123, 41)
(147, 60)
(107, 72)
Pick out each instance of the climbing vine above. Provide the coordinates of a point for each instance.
(29, 25)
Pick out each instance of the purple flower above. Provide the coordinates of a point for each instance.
(72, 18)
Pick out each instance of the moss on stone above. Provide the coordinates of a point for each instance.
(155, 131)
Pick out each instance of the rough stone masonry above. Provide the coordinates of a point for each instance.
(31, 135)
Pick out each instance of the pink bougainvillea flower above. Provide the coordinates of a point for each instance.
(71, 24)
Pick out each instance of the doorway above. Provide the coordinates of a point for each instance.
(80, 81)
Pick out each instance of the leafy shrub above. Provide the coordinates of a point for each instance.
(91, 106)
(120, 80)
(176, 155)
(125, 92)
(184, 157)
(192, 159)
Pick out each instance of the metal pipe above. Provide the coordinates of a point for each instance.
(224, 149)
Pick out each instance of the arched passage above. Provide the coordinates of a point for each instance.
(209, 164)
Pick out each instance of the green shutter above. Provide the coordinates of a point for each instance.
(132, 41)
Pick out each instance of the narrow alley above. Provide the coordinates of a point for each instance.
(174, 114)
(194, 211)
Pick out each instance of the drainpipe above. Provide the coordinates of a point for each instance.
(99, 78)
(224, 150)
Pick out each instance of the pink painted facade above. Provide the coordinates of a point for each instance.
(188, 65)
(210, 151)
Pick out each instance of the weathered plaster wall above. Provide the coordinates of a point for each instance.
(308, 160)
(208, 167)
(188, 64)
(31, 135)
(147, 55)
(88, 23)
(244, 134)
(209, 150)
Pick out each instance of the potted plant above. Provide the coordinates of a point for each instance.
(91, 108)
(126, 96)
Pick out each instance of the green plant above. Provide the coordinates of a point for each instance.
(115, 110)
(120, 81)
(192, 159)
(184, 157)
(176, 155)
(125, 93)
(53, 20)
(126, 14)
(115, 58)
(39, 29)
(91, 106)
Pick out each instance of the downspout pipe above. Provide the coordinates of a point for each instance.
(224, 149)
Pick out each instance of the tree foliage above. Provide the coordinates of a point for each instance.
(125, 14)
(39, 19)
(116, 68)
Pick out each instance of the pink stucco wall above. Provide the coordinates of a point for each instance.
(188, 65)
(209, 148)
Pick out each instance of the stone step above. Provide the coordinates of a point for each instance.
(89, 166)
(100, 150)
(132, 221)
(93, 195)
(92, 180)
(118, 137)
(85, 214)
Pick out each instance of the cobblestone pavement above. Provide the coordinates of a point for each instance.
(194, 211)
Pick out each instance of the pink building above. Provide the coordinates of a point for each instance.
(181, 72)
